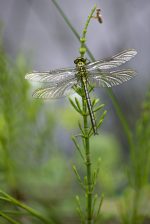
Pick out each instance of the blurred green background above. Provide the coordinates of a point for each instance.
(36, 151)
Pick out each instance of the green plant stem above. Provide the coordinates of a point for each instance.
(89, 192)
(8, 218)
(88, 164)
(11, 179)
(122, 118)
(110, 93)
(83, 48)
(135, 213)
(33, 212)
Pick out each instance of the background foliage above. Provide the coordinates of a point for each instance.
(36, 154)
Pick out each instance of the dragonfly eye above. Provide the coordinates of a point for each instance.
(76, 61)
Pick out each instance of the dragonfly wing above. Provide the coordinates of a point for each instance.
(53, 92)
(112, 62)
(52, 77)
(109, 79)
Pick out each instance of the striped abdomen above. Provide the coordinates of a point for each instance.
(89, 105)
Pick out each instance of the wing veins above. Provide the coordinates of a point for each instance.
(108, 79)
(52, 78)
(54, 91)
(112, 62)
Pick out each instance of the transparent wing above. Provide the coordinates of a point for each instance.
(54, 91)
(52, 77)
(112, 62)
(109, 79)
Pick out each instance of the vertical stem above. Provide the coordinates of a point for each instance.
(89, 193)
(88, 165)
(135, 213)
(83, 48)
(9, 168)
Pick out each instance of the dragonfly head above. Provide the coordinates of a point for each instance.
(80, 61)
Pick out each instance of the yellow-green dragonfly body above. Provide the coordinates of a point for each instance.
(97, 73)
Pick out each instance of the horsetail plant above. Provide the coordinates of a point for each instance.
(82, 79)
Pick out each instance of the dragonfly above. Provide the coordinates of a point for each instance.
(58, 83)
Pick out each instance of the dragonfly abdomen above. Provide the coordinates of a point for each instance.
(89, 105)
